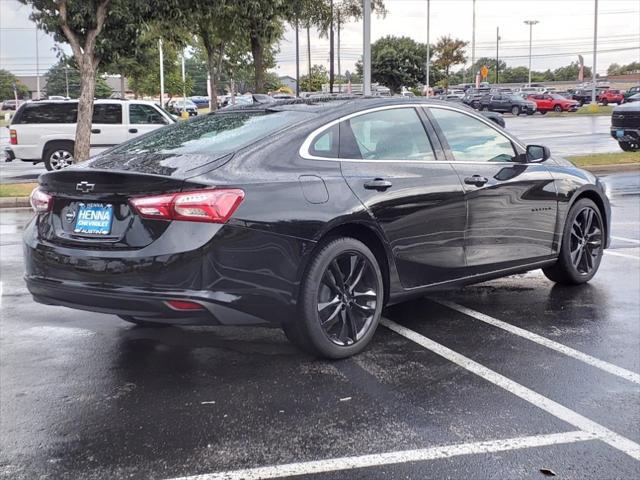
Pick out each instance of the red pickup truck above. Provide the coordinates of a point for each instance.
(610, 96)
(546, 102)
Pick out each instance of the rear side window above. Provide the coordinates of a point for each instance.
(47, 113)
(472, 140)
(107, 113)
(211, 134)
(394, 134)
(326, 143)
(145, 114)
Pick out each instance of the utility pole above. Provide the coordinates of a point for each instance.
(338, 40)
(595, 50)
(37, 67)
(473, 41)
(184, 86)
(366, 54)
(531, 23)
(497, 54)
(308, 57)
(162, 75)
(66, 78)
(331, 73)
(428, 46)
(297, 59)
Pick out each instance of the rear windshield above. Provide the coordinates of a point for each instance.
(211, 134)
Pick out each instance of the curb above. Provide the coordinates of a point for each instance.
(604, 169)
(14, 202)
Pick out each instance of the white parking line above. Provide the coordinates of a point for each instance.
(625, 239)
(613, 439)
(390, 458)
(618, 254)
(558, 347)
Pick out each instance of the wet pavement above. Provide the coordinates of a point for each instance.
(564, 135)
(450, 389)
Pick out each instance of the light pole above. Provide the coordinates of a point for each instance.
(595, 48)
(366, 54)
(497, 55)
(473, 41)
(531, 23)
(428, 45)
(37, 67)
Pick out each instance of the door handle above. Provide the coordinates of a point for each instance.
(476, 180)
(95, 130)
(378, 184)
(133, 130)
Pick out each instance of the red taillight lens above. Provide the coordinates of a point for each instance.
(184, 305)
(13, 137)
(41, 202)
(213, 206)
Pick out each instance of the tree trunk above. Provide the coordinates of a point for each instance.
(257, 53)
(85, 110)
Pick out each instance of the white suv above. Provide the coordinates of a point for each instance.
(44, 131)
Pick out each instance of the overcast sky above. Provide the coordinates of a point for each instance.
(564, 31)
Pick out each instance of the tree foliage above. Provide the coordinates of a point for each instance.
(449, 52)
(7, 81)
(65, 71)
(313, 83)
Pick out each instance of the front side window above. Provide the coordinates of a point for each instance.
(107, 113)
(145, 114)
(394, 134)
(472, 140)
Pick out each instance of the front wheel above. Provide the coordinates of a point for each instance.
(515, 111)
(557, 109)
(341, 301)
(582, 245)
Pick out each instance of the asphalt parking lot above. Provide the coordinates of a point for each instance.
(564, 135)
(502, 380)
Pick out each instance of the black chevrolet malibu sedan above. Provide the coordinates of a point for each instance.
(310, 216)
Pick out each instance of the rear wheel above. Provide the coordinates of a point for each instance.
(340, 302)
(515, 111)
(582, 245)
(605, 102)
(58, 155)
(141, 323)
(543, 112)
(629, 146)
(557, 109)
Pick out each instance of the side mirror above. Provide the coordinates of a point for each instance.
(537, 153)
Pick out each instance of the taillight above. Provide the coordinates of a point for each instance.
(13, 137)
(213, 206)
(184, 305)
(41, 202)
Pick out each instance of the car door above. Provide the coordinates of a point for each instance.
(107, 128)
(402, 178)
(498, 103)
(511, 204)
(143, 118)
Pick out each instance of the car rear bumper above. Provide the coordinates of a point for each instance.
(628, 134)
(140, 303)
(239, 275)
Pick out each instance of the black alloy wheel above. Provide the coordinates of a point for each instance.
(582, 245)
(347, 298)
(341, 300)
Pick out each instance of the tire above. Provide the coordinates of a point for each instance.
(484, 108)
(580, 252)
(515, 111)
(629, 147)
(337, 322)
(58, 155)
(142, 323)
(557, 109)
(605, 102)
(530, 113)
(543, 112)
